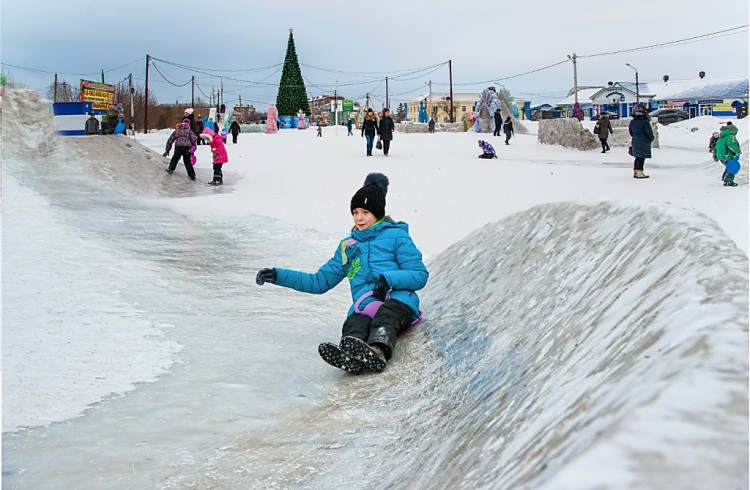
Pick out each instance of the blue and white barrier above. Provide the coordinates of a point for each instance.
(70, 117)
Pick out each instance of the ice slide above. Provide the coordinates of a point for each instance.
(567, 346)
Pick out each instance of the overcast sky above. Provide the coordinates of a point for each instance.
(352, 46)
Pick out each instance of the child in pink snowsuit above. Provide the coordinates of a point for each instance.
(219, 153)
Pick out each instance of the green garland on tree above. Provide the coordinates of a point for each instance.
(292, 94)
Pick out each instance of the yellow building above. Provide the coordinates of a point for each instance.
(437, 105)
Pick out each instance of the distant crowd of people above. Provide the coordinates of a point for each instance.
(378, 130)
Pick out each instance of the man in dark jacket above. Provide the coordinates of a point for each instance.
(642, 135)
(235, 129)
(92, 125)
(498, 122)
(385, 130)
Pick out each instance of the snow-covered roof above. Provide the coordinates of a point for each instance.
(706, 88)
(438, 96)
(719, 88)
(643, 88)
(584, 96)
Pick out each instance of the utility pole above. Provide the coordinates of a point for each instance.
(102, 75)
(54, 99)
(386, 94)
(145, 103)
(430, 99)
(192, 95)
(575, 76)
(450, 77)
(132, 95)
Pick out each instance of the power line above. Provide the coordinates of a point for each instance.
(156, 67)
(725, 32)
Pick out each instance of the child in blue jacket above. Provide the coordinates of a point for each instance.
(384, 269)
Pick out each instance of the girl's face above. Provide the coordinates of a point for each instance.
(363, 219)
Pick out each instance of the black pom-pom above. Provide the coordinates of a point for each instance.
(379, 180)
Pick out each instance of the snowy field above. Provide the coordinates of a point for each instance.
(583, 329)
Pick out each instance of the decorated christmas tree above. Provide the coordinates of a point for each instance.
(292, 94)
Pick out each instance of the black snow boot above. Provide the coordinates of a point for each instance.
(729, 180)
(333, 355)
(371, 356)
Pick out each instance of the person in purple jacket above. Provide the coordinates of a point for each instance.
(487, 150)
(384, 269)
(184, 140)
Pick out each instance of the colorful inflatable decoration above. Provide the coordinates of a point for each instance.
(488, 103)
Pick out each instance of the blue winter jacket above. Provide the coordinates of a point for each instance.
(384, 249)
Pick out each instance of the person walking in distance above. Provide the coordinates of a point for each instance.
(508, 130)
(385, 130)
(605, 129)
(235, 129)
(369, 129)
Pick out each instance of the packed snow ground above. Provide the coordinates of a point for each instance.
(593, 334)
(444, 191)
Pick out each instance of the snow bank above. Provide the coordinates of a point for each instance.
(587, 347)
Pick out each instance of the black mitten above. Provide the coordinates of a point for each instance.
(381, 289)
(265, 275)
(165, 154)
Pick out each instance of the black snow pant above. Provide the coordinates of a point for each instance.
(638, 163)
(386, 146)
(184, 152)
(391, 319)
(605, 145)
(508, 134)
(234, 138)
(218, 176)
(497, 131)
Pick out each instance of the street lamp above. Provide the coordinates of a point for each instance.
(637, 92)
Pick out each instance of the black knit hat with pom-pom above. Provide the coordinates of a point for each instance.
(372, 195)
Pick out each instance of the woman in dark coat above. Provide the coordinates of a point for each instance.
(235, 130)
(642, 135)
(385, 130)
(605, 129)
